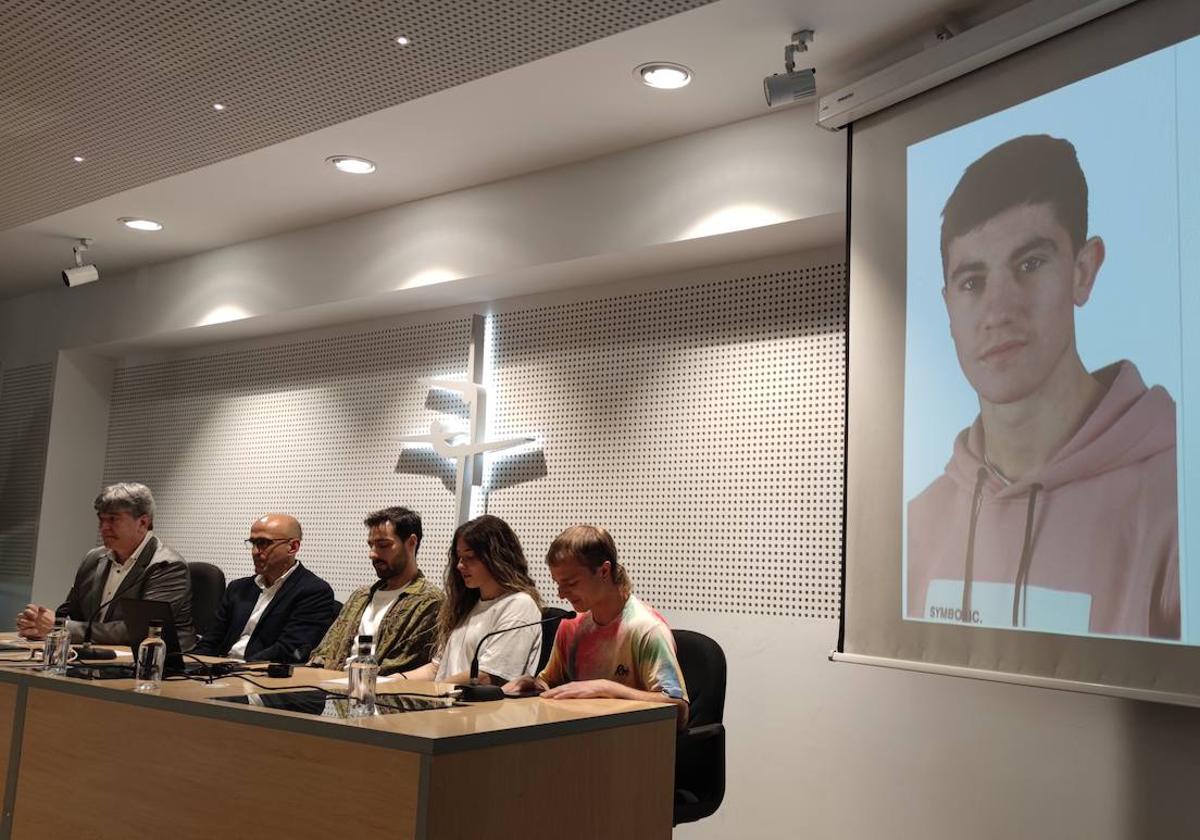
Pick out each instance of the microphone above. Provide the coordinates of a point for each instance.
(476, 693)
(85, 650)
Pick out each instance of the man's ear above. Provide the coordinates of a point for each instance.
(411, 543)
(1087, 266)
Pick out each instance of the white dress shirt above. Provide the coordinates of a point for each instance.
(238, 650)
(117, 571)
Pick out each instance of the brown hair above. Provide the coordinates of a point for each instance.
(591, 546)
(497, 547)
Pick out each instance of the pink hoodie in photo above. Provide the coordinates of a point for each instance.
(1099, 519)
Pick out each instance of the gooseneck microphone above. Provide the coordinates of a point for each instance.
(476, 693)
(85, 650)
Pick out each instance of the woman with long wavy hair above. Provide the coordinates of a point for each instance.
(488, 588)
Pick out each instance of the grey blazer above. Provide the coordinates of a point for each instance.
(167, 579)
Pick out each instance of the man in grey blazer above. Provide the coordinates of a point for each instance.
(133, 563)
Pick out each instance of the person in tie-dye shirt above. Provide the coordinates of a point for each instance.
(617, 647)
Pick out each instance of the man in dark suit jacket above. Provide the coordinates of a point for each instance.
(280, 613)
(133, 563)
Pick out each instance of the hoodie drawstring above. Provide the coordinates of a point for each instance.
(1021, 585)
(969, 570)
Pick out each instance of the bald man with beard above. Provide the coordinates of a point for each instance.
(282, 611)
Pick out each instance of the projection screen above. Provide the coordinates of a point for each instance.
(1023, 448)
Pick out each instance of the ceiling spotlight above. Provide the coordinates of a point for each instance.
(77, 158)
(217, 106)
(402, 40)
(140, 224)
(80, 273)
(792, 85)
(352, 165)
(664, 75)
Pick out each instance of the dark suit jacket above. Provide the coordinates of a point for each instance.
(165, 579)
(288, 629)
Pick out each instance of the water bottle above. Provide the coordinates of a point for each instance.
(151, 654)
(362, 669)
(57, 648)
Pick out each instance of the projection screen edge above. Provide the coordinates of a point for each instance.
(894, 437)
(1032, 680)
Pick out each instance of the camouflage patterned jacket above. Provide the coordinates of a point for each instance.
(405, 637)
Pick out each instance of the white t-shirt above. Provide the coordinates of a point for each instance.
(373, 615)
(507, 655)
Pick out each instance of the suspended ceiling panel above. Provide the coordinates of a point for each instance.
(130, 84)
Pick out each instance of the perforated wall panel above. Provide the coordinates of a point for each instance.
(703, 426)
(25, 397)
(130, 83)
(307, 428)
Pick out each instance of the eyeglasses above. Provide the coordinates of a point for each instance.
(262, 543)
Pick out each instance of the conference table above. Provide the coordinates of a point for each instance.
(95, 759)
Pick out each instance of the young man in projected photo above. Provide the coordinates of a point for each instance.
(1057, 510)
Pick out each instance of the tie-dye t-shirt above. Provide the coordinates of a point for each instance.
(637, 650)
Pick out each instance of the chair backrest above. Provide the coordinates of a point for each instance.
(703, 664)
(208, 586)
(549, 630)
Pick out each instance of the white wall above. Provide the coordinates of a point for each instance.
(74, 463)
(742, 175)
(821, 750)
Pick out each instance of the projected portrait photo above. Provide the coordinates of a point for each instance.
(1060, 498)
(1046, 327)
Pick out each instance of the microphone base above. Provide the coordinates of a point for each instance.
(91, 653)
(480, 693)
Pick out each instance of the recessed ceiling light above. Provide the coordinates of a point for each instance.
(140, 224)
(352, 165)
(217, 106)
(77, 158)
(665, 75)
(402, 40)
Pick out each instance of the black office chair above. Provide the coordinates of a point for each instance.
(700, 749)
(208, 586)
(549, 629)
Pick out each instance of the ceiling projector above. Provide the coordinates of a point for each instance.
(80, 273)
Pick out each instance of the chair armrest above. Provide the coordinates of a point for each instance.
(699, 772)
(698, 747)
(699, 734)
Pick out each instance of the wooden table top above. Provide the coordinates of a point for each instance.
(463, 726)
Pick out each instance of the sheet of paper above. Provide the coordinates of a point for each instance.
(344, 682)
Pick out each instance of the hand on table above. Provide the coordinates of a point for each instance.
(34, 622)
(523, 685)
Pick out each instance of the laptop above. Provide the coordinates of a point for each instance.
(137, 615)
